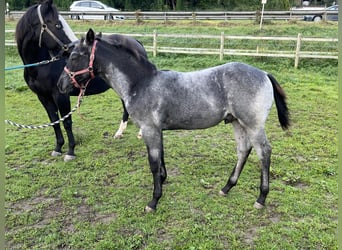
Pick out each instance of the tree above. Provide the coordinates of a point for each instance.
(180, 5)
(278, 5)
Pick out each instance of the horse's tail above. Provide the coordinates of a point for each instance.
(280, 101)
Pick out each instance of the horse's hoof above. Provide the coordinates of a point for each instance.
(139, 136)
(149, 209)
(55, 153)
(222, 193)
(117, 136)
(257, 205)
(69, 158)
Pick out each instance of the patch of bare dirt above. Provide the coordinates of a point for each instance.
(53, 209)
(252, 232)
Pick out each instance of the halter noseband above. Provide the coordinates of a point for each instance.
(89, 70)
(44, 27)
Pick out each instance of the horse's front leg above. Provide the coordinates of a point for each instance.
(70, 155)
(63, 102)
(153, 140)
(52, 111)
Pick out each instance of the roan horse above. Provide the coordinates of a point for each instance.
(164, 100)
(41, 35)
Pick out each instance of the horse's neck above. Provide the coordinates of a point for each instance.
(118, 80)
(31, 53)
(125, 77)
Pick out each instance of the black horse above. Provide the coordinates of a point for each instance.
(42, 34)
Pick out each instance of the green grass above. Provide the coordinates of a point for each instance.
(97, 201)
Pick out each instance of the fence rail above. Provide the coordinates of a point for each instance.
(197, 15)
(221, 45)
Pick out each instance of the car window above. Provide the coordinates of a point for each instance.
(96, 5)
(84, 4)
(333, 8)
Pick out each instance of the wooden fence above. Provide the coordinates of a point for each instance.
(221, 45)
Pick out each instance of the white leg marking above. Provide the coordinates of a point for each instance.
(139, 136)
(149, 210)
(257, 205)
(122, 128)
(54, 154)
(221, 193)
(69, 158)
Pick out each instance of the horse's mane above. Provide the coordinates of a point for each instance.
(24, 29)
(132, 46)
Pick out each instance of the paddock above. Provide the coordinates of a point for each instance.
(80, 204)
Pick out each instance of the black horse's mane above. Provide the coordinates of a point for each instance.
(24, 27)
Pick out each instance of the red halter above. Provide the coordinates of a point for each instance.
(89, 70)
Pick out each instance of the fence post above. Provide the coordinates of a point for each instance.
(154, 43)
(222, 46)
(299, 39)
(165, 17)
(193, 17)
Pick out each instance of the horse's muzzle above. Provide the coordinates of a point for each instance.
(63, 84)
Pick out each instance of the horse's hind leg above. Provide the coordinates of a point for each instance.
(52, 110)
(245, 140)
(263, 150)
(243, 151)
(123, 123)
(153, 140)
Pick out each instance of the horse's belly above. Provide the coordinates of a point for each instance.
(199, 120)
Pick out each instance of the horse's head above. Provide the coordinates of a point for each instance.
(41, 24)
(79, 68)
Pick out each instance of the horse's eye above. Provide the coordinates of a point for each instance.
(58, 25)
(74, 55)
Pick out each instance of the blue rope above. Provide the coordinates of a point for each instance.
(28, 65)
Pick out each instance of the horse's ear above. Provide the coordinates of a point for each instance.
(90, 37)
(46, 5)
(48, 2)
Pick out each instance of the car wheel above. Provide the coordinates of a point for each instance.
(317, 19)
(75, 17)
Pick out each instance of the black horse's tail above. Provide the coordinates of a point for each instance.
(280, 101)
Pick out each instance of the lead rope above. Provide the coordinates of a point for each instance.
(77, 107)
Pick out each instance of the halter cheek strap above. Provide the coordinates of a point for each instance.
(44, 27)
(89, 70)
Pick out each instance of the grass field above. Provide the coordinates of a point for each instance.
(97, 201)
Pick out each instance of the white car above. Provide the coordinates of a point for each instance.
(330, 12)
(85, 7)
